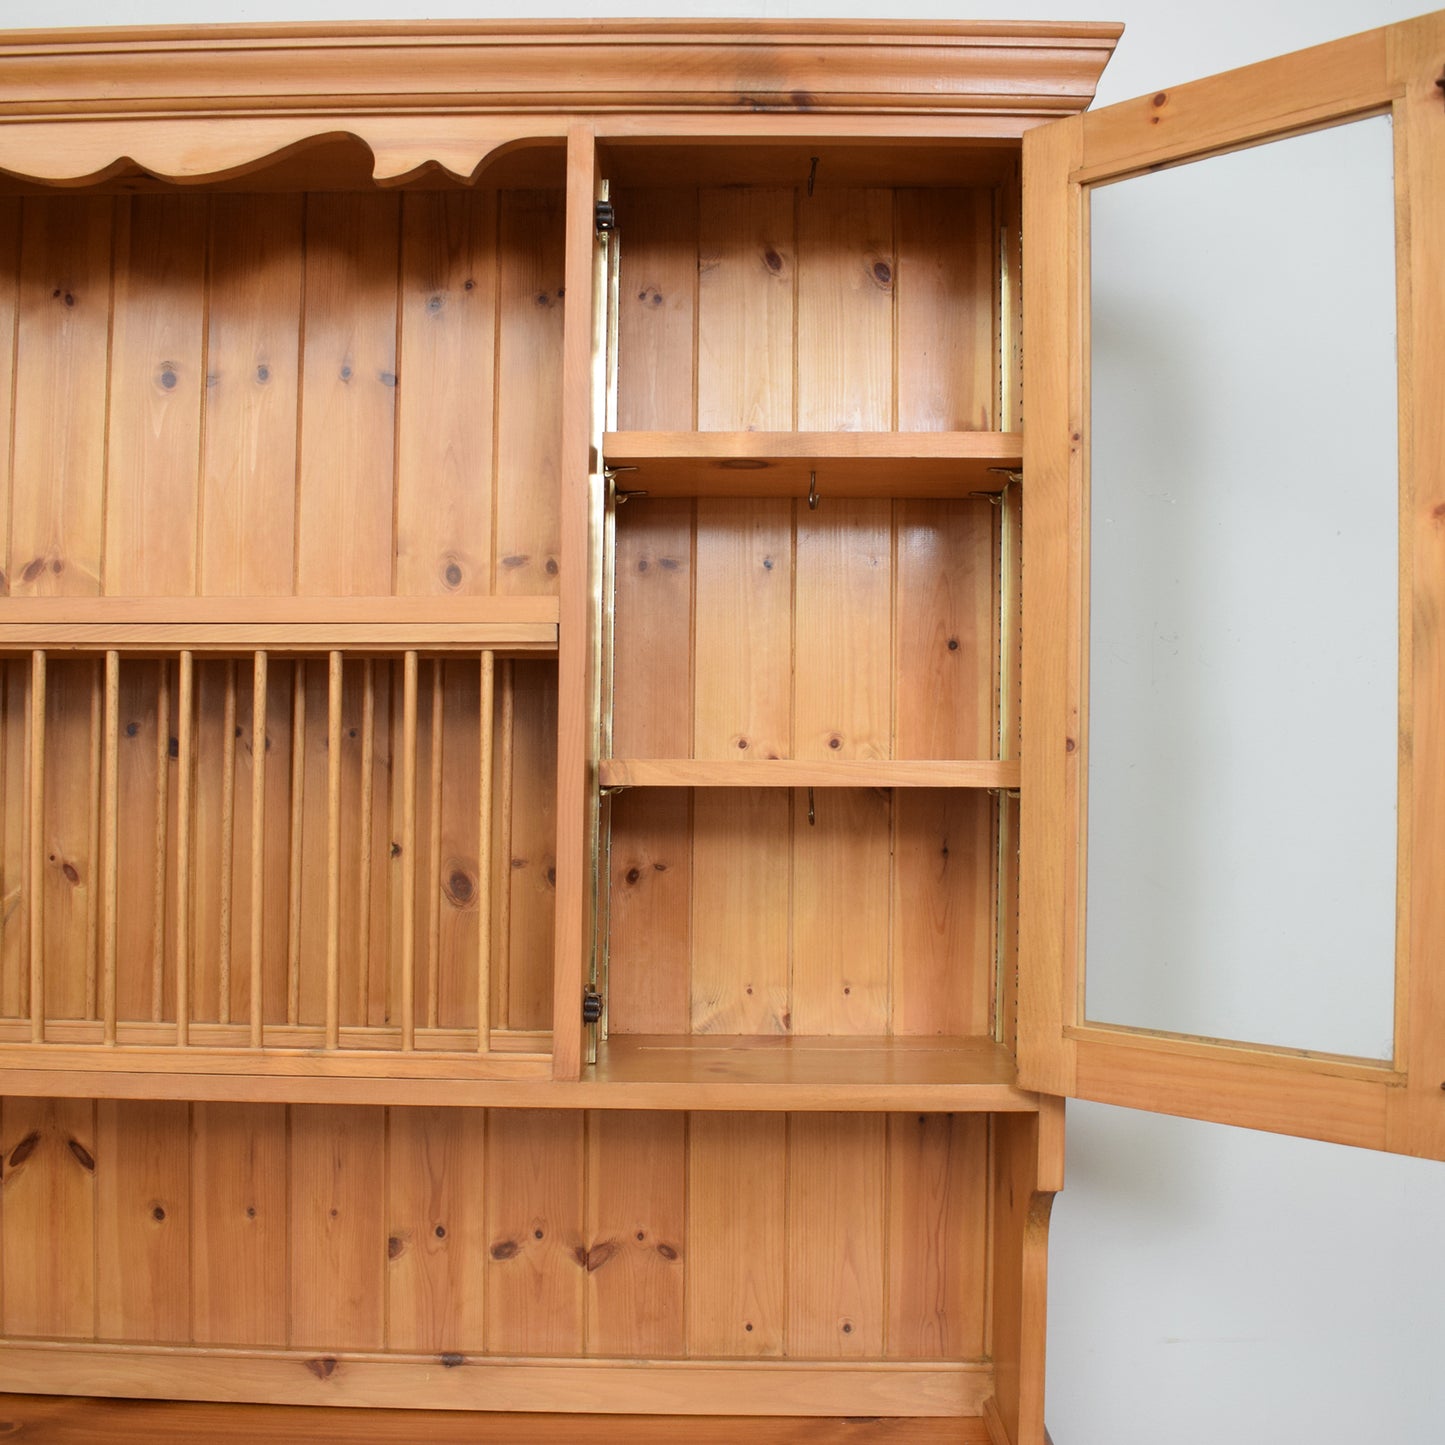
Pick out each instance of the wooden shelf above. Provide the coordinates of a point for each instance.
(800, 773)
(693, 1071)
(780, 464)
(279, 624)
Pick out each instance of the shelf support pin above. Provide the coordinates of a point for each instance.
(812, 816)
(610, 790)
(812, 175)
(813, 497)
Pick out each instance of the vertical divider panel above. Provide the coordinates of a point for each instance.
(36, 878)
(160, 869)
(259, 709)
(408, 854)
(333, 851)
(298, 815)
(579, 638)
(95, 670)
(110, 794)
(365, 885)
(485, 802)
(185, 760)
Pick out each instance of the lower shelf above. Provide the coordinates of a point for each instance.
(699, 1071)
(705, 1071)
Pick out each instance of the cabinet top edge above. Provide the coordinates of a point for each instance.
(83, 107)
(349, 34)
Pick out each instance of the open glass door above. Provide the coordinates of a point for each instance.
(1233, 832)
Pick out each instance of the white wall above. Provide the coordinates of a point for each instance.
(1210, 1286)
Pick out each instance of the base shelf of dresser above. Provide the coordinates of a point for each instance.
(785, 464)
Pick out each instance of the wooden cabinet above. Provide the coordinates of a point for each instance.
(543, 719)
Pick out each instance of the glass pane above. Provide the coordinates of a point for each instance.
(1243, 655)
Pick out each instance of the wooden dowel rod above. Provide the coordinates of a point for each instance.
(27, 926)
(228, 840)
(162, 835)
(408, 855)
(434, 852)
(111, 796)
(484, 856)
(293, 892)
(92, 902)
(258, 845)
(333, 853)
(37, 847)
(504, 845)
(368, 803)
(185, 747)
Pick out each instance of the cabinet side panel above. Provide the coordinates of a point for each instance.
(239, 1201)
(736, 1242)
(348, 402)
(947, 317)
(60, 396)
(937, 1236)
(532, 267)
(338, 1229)
(249, 465)
(48, 1247)
(636, 1230)
(143, 1221)
(746, 265)
(837, 1165)
(536, 1250)
(157, 390)
(436, 1235)
(846, 267)
(444, 500)
(656, 316)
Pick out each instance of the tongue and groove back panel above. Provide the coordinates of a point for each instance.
(276, 395)
(295, 395)
(756, 628)
(513, 1233)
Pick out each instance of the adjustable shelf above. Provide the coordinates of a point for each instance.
(790, 464)
(756, 1072)
(804, 773)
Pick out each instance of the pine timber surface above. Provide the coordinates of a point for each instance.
(61, 1420)
(786, 464)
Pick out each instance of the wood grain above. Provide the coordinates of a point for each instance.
(435, 1230)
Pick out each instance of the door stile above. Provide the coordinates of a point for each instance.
(1416, 61)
